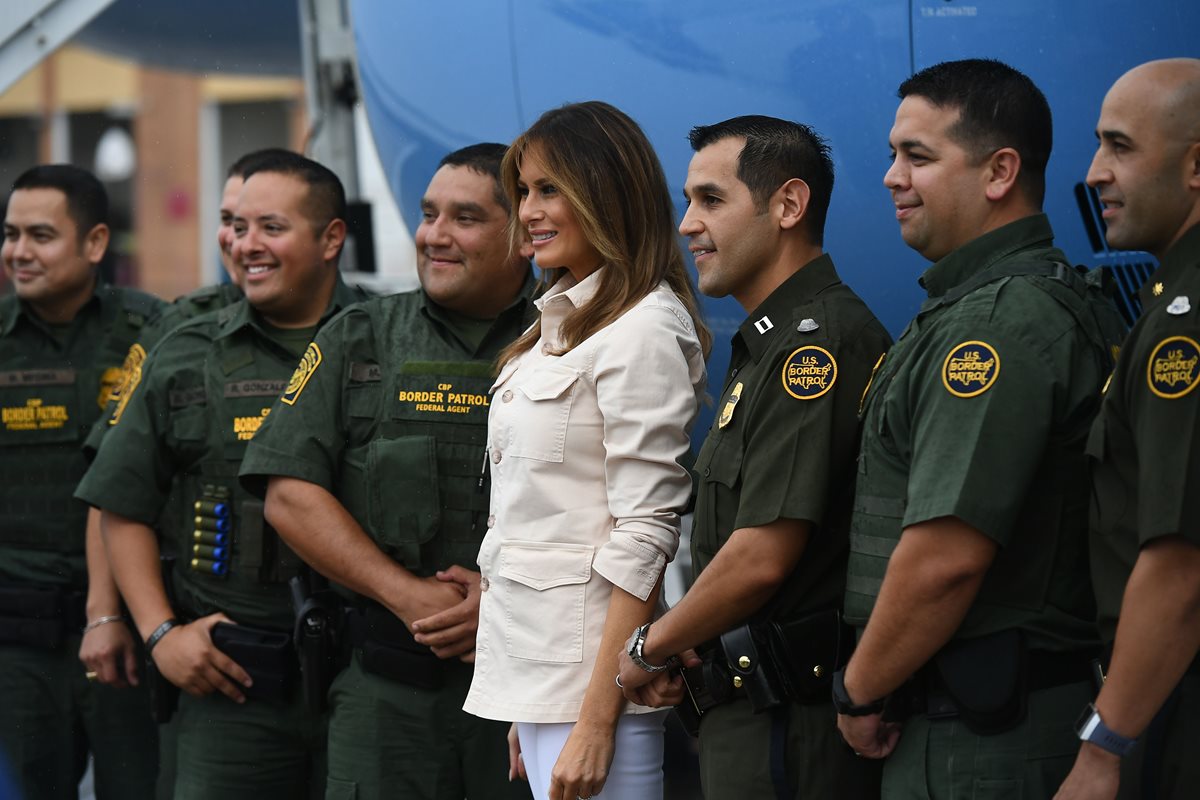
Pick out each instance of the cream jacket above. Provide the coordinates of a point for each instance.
(587, 491)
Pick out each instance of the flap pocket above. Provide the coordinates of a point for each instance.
(548, 383)
(545, 565)
(506, 372)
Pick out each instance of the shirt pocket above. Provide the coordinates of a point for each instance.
(545, 586)
(539, 427)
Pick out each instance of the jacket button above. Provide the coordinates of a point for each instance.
(483, 584)
(491, 523)
(507, 396)
(496, 456)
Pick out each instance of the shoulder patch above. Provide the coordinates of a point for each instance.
(1171, 370)
(970, 369)
(131, 376)
(809, 372)
(308, 365)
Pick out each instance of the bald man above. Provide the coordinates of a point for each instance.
(1139, 736)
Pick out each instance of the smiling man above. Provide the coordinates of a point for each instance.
(968, 560)
(1145, 448)
(63, 336)
(374, 465)
(775, 474)
(170, 462)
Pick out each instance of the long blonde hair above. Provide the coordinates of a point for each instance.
(601, 162)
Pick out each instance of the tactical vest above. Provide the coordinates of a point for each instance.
(1059, 496)
(49, 401)
(417, 485)
(227, 557)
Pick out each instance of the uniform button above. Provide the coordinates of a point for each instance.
(484, 583)
(706, 471)
(496, 456)
(507, 396)
(733, 373)
(491, 520)
(546, 349)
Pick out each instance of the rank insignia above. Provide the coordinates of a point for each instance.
(730, 404)
(809, 372)
(1158, 289)
(1171, 371)
(308, 365)
(970, 369)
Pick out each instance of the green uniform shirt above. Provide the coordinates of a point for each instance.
(188, 306)
(179, 437)
(786, 433)
(980, 412)
(1145, 444)
(53, 385)
(391, 418)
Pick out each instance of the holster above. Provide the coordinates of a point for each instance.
(164, 695)
(39, 616)
(706, 686)
(267, 655)
(388, 650)
(748, 653)
(983, 681)
(319, 624)
(807, 652)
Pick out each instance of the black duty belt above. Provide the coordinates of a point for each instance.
(387, 649)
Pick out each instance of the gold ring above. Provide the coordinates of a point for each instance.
(91, 676)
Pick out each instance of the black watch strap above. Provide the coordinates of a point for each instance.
(159, 632)
(844, 705)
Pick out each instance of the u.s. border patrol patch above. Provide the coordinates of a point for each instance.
(809, 372)
(304, 371)
(970, 369)
(1171, 371)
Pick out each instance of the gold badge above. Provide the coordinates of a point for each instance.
(131, 376)
(1171, 370)
(809, 372)
(727, 411)
(109, 381)
(970, 369)
(862, 401)
(308, 365)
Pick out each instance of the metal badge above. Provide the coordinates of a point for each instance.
(1180, 305)
(807, 325)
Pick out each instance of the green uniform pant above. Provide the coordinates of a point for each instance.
(388, 739)
(1169, 752)
(249, 751)
(942, 760)
(51, 716)
(736, 746)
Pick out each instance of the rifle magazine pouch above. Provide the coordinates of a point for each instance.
(985, 678)
(267, 655)
(746, 660)
(808, 651)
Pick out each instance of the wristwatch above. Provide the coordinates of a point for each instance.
(844, 705)
(1090, 728)
(634, 648)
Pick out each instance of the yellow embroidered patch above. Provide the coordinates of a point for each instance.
(730, 404)
(1171, 369)
(131, 376)
(308, 365)
(970, 369)
(809, 372)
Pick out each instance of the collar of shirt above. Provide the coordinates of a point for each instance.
(1183, 255)
(779, 307)
(515, 310)
(241, 314)
(562, 298)
(984, 251)
(18, 309)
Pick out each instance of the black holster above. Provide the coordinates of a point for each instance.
(983, 681)
(164, 695)
(319, 624)
(39, 616)
(267, 655)
(388, 650)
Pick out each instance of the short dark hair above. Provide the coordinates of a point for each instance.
(87, 201)
(998, 107)
(248, 162)
(483, 158)
(776, 151)
(326, 199)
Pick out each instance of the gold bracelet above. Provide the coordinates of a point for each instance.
(96, 623)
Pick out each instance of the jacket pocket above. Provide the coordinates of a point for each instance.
(545, 588)
(404, 503)
(540, 429)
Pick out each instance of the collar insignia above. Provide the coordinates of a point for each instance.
(764, 325)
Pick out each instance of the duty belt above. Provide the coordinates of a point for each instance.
(387, 649)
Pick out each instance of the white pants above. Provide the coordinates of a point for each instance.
(636, 772)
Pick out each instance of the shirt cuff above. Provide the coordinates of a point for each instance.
(632, 565)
